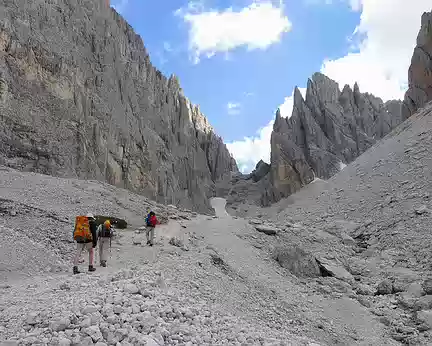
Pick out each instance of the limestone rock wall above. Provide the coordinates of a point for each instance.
(79, 97)
(420, 72)
(327, 130)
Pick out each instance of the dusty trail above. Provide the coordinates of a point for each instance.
(214, 262)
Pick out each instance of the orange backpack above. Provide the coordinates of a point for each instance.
(82, 233)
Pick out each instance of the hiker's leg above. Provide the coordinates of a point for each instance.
(147, 230)
(104, 249)
(79, 250)
(91, 253)
(152, 235)
(101, 251)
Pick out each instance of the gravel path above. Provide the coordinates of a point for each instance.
(343, 262)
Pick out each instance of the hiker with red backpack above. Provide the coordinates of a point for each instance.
(151, 222)
(86, 237)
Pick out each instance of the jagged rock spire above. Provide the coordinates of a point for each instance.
(420, 72)
(327, 130)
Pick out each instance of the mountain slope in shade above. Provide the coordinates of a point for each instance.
(79, 97)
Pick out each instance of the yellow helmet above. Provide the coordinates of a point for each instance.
(107, 224)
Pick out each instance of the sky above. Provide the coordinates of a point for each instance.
(241, 59)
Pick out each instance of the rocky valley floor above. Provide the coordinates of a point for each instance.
(342, 262)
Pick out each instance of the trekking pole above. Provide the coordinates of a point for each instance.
(110, 244)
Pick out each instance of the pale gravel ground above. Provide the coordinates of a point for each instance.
(38, 290)
(222, 277)
(245, 288)
(374, 199)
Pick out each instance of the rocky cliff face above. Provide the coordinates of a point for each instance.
(420, 72)
(327, 130)
(80, 98)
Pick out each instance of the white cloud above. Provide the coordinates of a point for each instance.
(286, 108)
(256, 26)
(385, 39)
(233, 108)
(387, 35)
(250, 150)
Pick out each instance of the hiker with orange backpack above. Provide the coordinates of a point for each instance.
(104, 233)
(86, 237)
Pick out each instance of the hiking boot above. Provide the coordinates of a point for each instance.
(92, 269)
(148, 242)
(151, 244)
(103, 264)
(75, 270)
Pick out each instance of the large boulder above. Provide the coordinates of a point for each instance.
(260, 171)
(298, 262)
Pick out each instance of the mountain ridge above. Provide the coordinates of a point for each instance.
(329, 128)
(93, 106)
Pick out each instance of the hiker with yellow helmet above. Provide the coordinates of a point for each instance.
(104, 232)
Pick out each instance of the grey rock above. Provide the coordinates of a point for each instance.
(86, 322)
(416, 290)
(32, 318)
(407, 301)
(86, 341)
(419, 91)
(260, 171)
(118, 309)
(64, 342)
(423, 303)
(89, 309)
(131, 288)
(421, 210)
(65, 286)
(60, 325)
(256, 222)
(136, 241)
(175, 241)
(427, 286)
(117, 120)
(335, 269)
(364, 290)
(94, 332)
(347, 240)
(297, 261)
(425, 316)
(150, 341)
(385, 287)
(267, 229)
